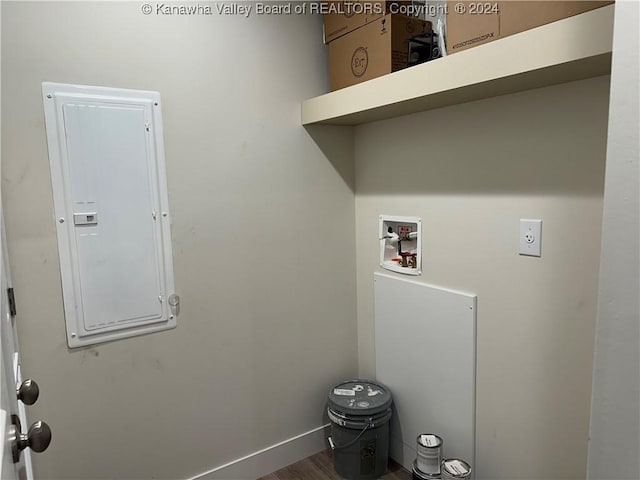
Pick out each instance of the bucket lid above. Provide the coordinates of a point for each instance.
(429, 440)
(455, 468)
(360, 397)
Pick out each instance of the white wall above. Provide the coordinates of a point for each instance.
(614, 448)
(471, 172)
(268, 311)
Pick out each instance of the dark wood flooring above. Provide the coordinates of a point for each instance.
(320, 467)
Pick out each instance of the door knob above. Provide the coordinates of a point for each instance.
(28, 392)
(37, 439)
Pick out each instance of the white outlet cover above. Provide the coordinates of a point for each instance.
(530, 241)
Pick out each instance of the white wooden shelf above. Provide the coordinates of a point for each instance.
(575, 48)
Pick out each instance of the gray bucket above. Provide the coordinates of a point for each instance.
(360, 411)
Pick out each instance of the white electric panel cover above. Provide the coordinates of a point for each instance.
(111, 207)
(425, 352)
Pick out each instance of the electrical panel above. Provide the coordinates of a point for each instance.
(108, 176)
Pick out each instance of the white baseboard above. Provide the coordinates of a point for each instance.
(272, 458)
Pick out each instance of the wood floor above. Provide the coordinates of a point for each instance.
(320, 467)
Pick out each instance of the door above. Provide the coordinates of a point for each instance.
(15, 393)
(9, 469)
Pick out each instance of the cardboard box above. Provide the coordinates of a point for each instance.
(478, 23)
(378, 48)
(347, 16)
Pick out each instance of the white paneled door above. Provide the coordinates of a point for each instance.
(20, 438)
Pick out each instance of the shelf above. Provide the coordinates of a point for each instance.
(575, 48)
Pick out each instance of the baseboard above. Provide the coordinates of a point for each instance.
(272, 458)
(401, 453)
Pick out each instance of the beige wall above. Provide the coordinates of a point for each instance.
(257, 343)
(268, 314)
(614, 448)
(471, 172)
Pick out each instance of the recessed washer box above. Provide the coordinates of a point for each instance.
(111, 207)
(401, 244)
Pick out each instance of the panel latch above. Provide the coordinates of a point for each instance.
(85, 219)
(12, 302)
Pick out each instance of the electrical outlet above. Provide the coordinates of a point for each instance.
(530, 237)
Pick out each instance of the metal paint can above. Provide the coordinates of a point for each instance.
(418, 475)
(429, 452)
(454, 469)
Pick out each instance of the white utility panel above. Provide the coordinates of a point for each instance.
(425, 351)
(530, 242)
(111, 206)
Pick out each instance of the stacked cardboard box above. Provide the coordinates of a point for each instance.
(366, 41)
(475, 23)
(344, 16)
